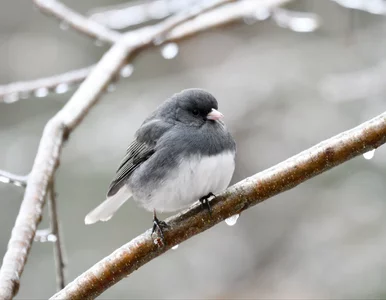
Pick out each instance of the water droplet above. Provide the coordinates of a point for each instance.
(296, 21)
(369, 155)
(303, 24)
(169, 51)
(99, 43)
(127, 70)
(175, 247)
(111, 87)
(4, 179)
(17, 183)
(232, 220)
(41, 92)
(64, 25)
(10, 98)
(62, 88)
(262, 14)
(52, 238)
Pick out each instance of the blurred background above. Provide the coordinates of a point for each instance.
(281, 91)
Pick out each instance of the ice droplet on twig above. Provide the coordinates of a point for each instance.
(41, 92)
(262, 14)
(51, 238)
(232, 220)
(61, 88)
(10, 98)
(259, 15)
(296, 21)
(126, 71)
(169, 51)
(369, 154)
(4, 179)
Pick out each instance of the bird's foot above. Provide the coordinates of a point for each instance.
(159, 226)
(205, 202)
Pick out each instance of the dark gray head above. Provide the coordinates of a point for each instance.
(195, 107)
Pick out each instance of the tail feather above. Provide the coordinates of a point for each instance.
(107, 208)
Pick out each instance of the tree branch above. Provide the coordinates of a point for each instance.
(46, 162)
(77, 21)
(236, 199)
(18, 180)
(57, 131)
(221, 16)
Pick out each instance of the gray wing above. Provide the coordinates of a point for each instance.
(140, 150)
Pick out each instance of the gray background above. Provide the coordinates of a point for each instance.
(281, 92)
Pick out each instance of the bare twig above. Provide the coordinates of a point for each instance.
(55, 133)
(236, 199)
(17, 90)
(18, 180)
(221, 16)
(58, 243)
(166, 26)
(77, 21)
(134, 13)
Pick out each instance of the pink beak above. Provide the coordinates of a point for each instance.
(214, 115)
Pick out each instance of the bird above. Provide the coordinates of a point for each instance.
(182, 152)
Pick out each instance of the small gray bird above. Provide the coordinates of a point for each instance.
(181, 153)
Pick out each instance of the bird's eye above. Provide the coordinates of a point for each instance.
(195, 112)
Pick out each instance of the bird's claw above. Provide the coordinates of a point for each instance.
(159, 226)
(205, 202)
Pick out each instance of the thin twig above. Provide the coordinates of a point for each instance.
(58, 243)
(185, 16)
(221, 16)
(18, 180)
(77, 21)
(134, 13)
(236, 199)
(55, 133)
(17, 90)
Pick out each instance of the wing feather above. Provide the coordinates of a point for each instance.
(136, 154)
(140, 150)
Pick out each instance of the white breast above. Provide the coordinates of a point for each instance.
(194, 178)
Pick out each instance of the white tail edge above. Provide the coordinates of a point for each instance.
(105, 210)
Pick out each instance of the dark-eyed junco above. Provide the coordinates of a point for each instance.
(181, 153)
